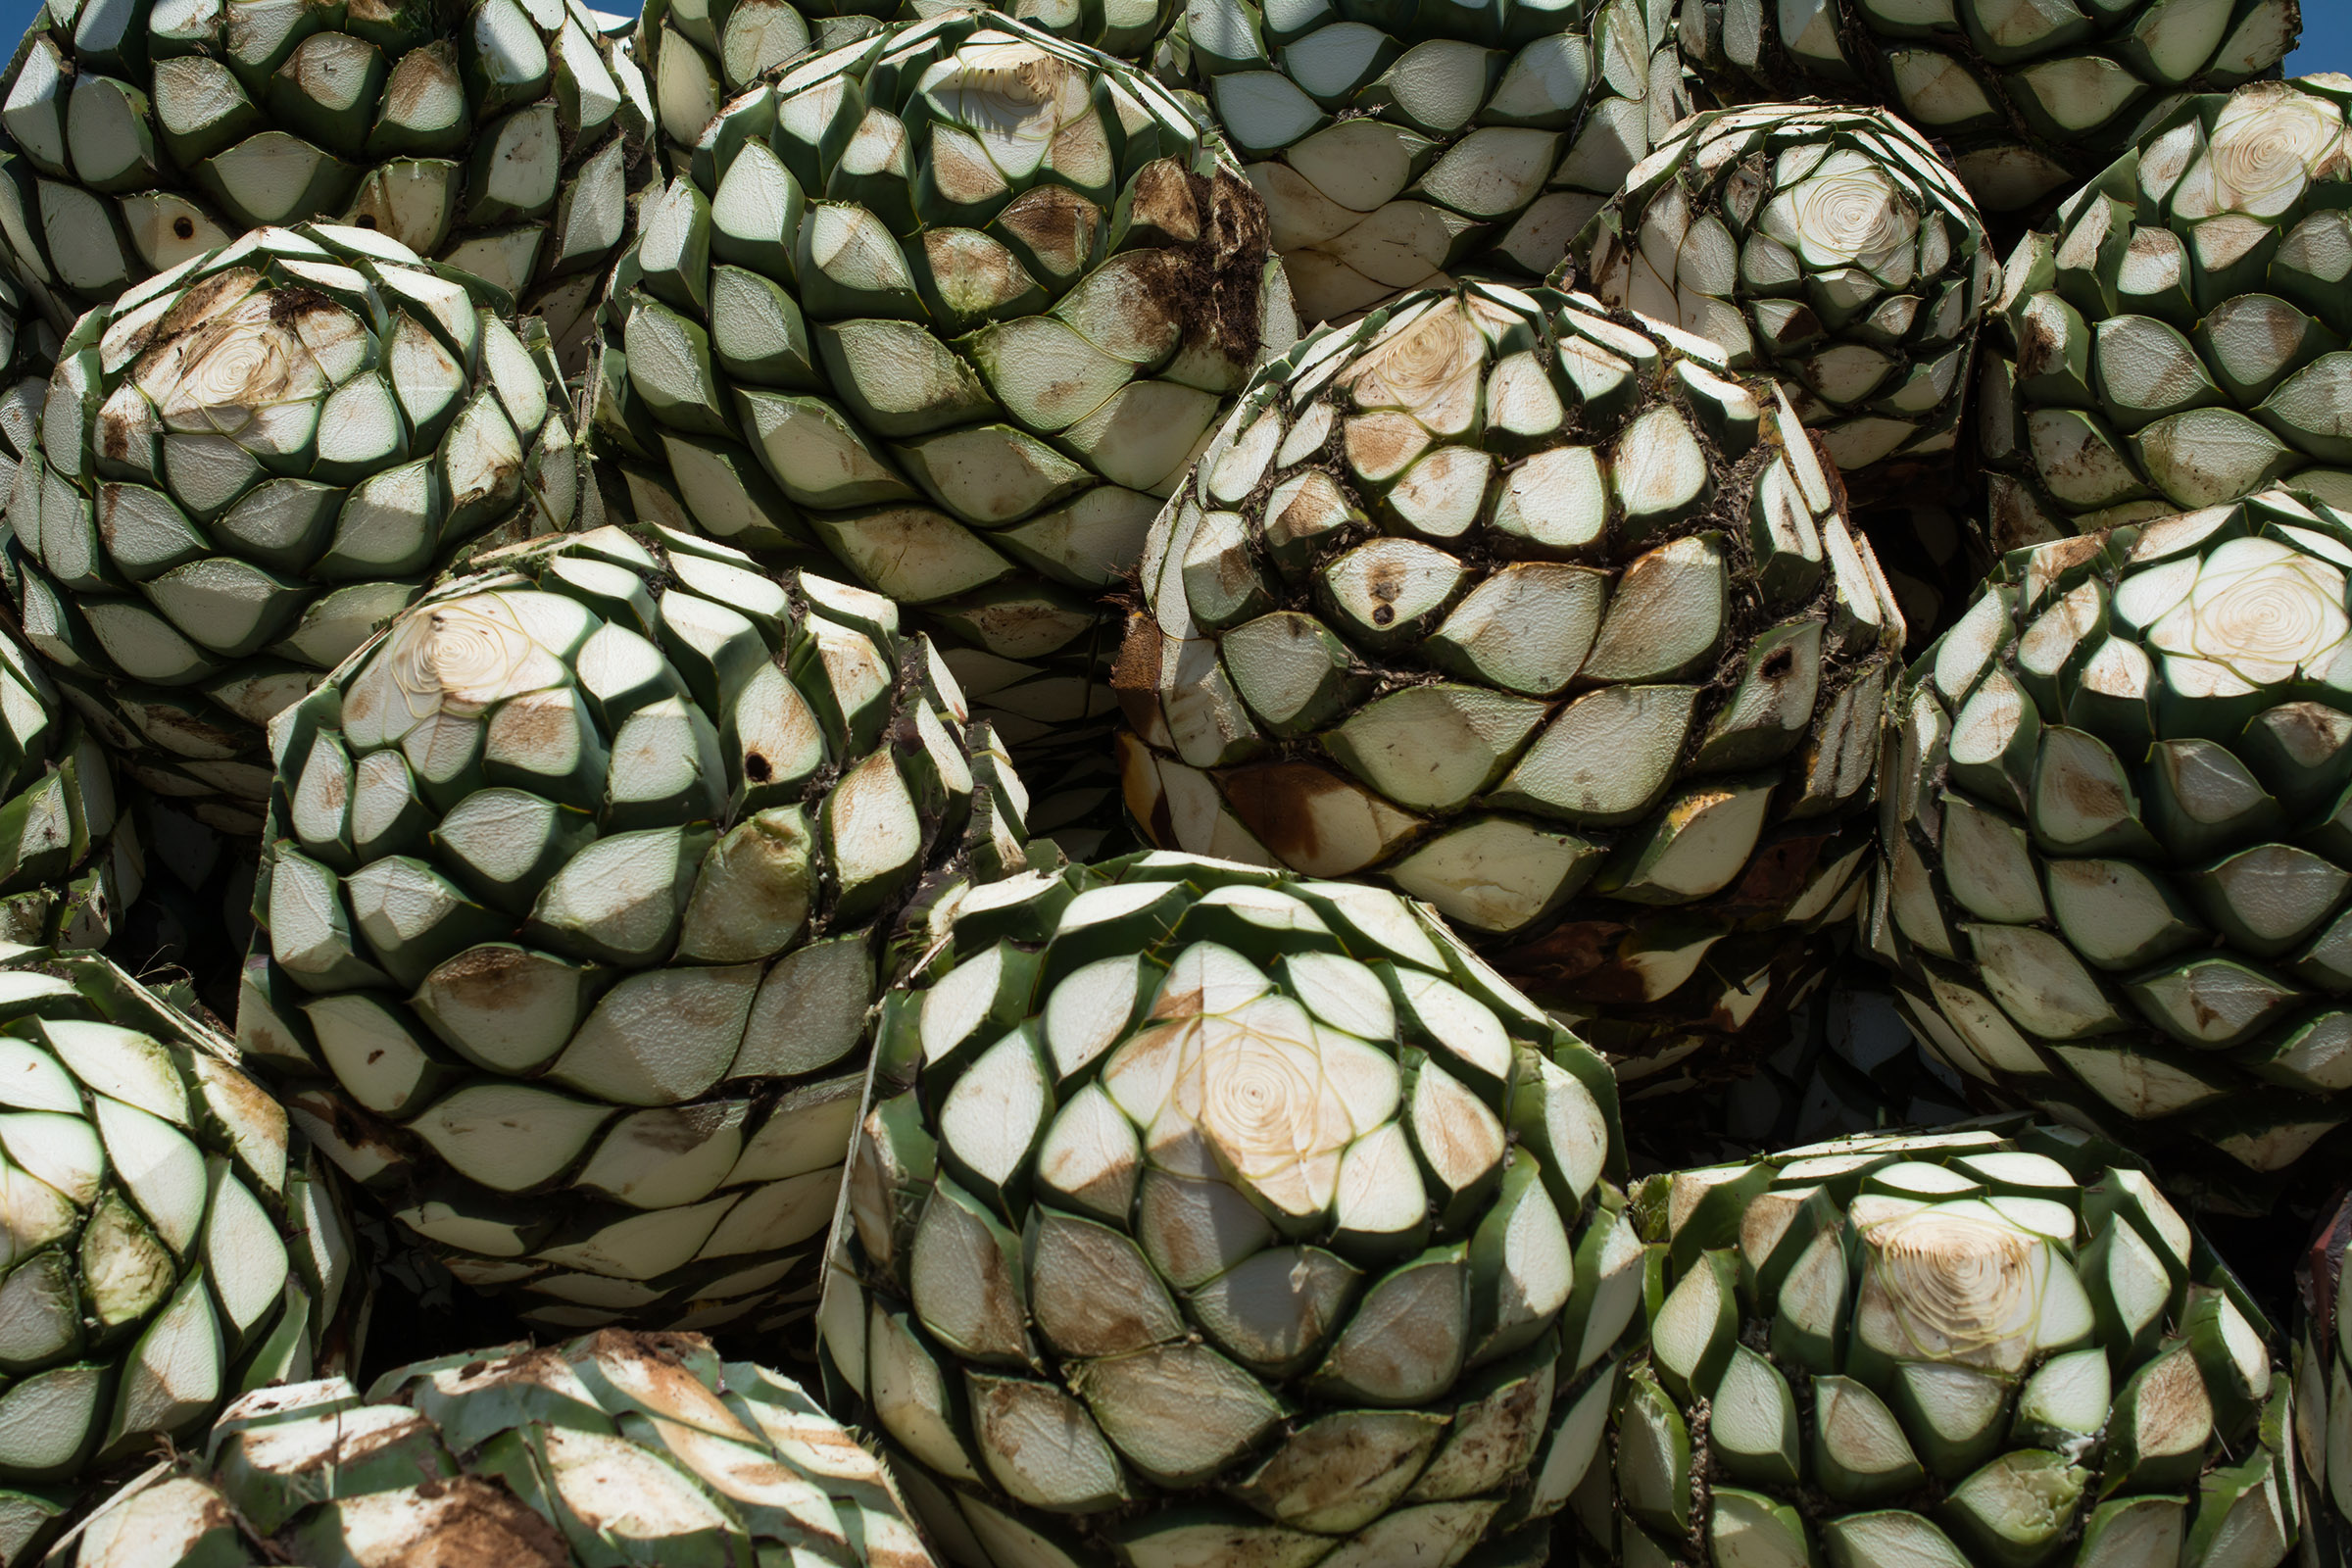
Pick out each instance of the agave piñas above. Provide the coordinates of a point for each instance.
(1982, 1348)
(2118, 838)
(1393, 144)
(1540, 616)
(1830, 246)
(501, 136)
(1207, 1214)
(2179, 338)
(579, 883)
(170, 1243)
(2030, 97)
(249, 462)
(614, 1448)
(956, 303)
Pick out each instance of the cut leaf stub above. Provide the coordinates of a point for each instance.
(1829, 246)
(1981, 1348)
(579, 883)
(245, 465)
(1203, 1209)
(2116, 858)
(1545, 619)
(2177, 338)
(951, 305)
(173, 1243)
(2031, 99)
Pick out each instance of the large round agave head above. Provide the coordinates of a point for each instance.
(245, 465)
(502, 136)
(1954, 1349)
(699, 55)
(576, 891)
(956, 303)
(1187, 1181)
(1828, 245)
(1537, 615)
(2116, 841)
(2324, 1387)
(169, 1243)
(1393, 144)
(2178, 338)
(2031, 98)
(616, 1448)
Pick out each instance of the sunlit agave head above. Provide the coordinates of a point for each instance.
(2269, 143)
(1962, 1284)
(2262, 609)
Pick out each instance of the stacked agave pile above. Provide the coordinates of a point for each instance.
(246, 463)
(2323, 1388)
(501, 136)
(579, 882)
(2116, 841)
(1828, 245)
(1204, 1214)
(1543, 619)
(2030, 97)
(616, 1448)
(1394, 144)
(169, 1243)
(958, 303)
(2179, 340)
(1952, 1349)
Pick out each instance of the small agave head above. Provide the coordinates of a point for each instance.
(1956, 1283)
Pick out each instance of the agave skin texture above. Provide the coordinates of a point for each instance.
(1542, 615)
(2006, 1345)
(2114, 843)
(1205, 1210)
(580, 884)
(525, 1458)
(1831, 246)
(244, 465)
(2177, 337)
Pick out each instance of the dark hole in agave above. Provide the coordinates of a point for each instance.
(755, 768)
(183, 228)
(364, 220)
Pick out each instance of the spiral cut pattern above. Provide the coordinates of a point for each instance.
(170, 1243)
(617, 1447)
(504, 137)
(1203, 1213)
(2117, 866)
(2324, 1387)
(1993, 1347)
(578, 885)
(2178, 339)
(2031, 98)
(1543, 617)
(1396, 145)
(953, 305)
(245, 465)
(699, 55)
(1828, 245)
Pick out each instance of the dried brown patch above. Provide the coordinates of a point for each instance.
(1566, 952)
(488, 978)
(1061, 227)
(1277, 803)
(478, 1524)
(1135, 674)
